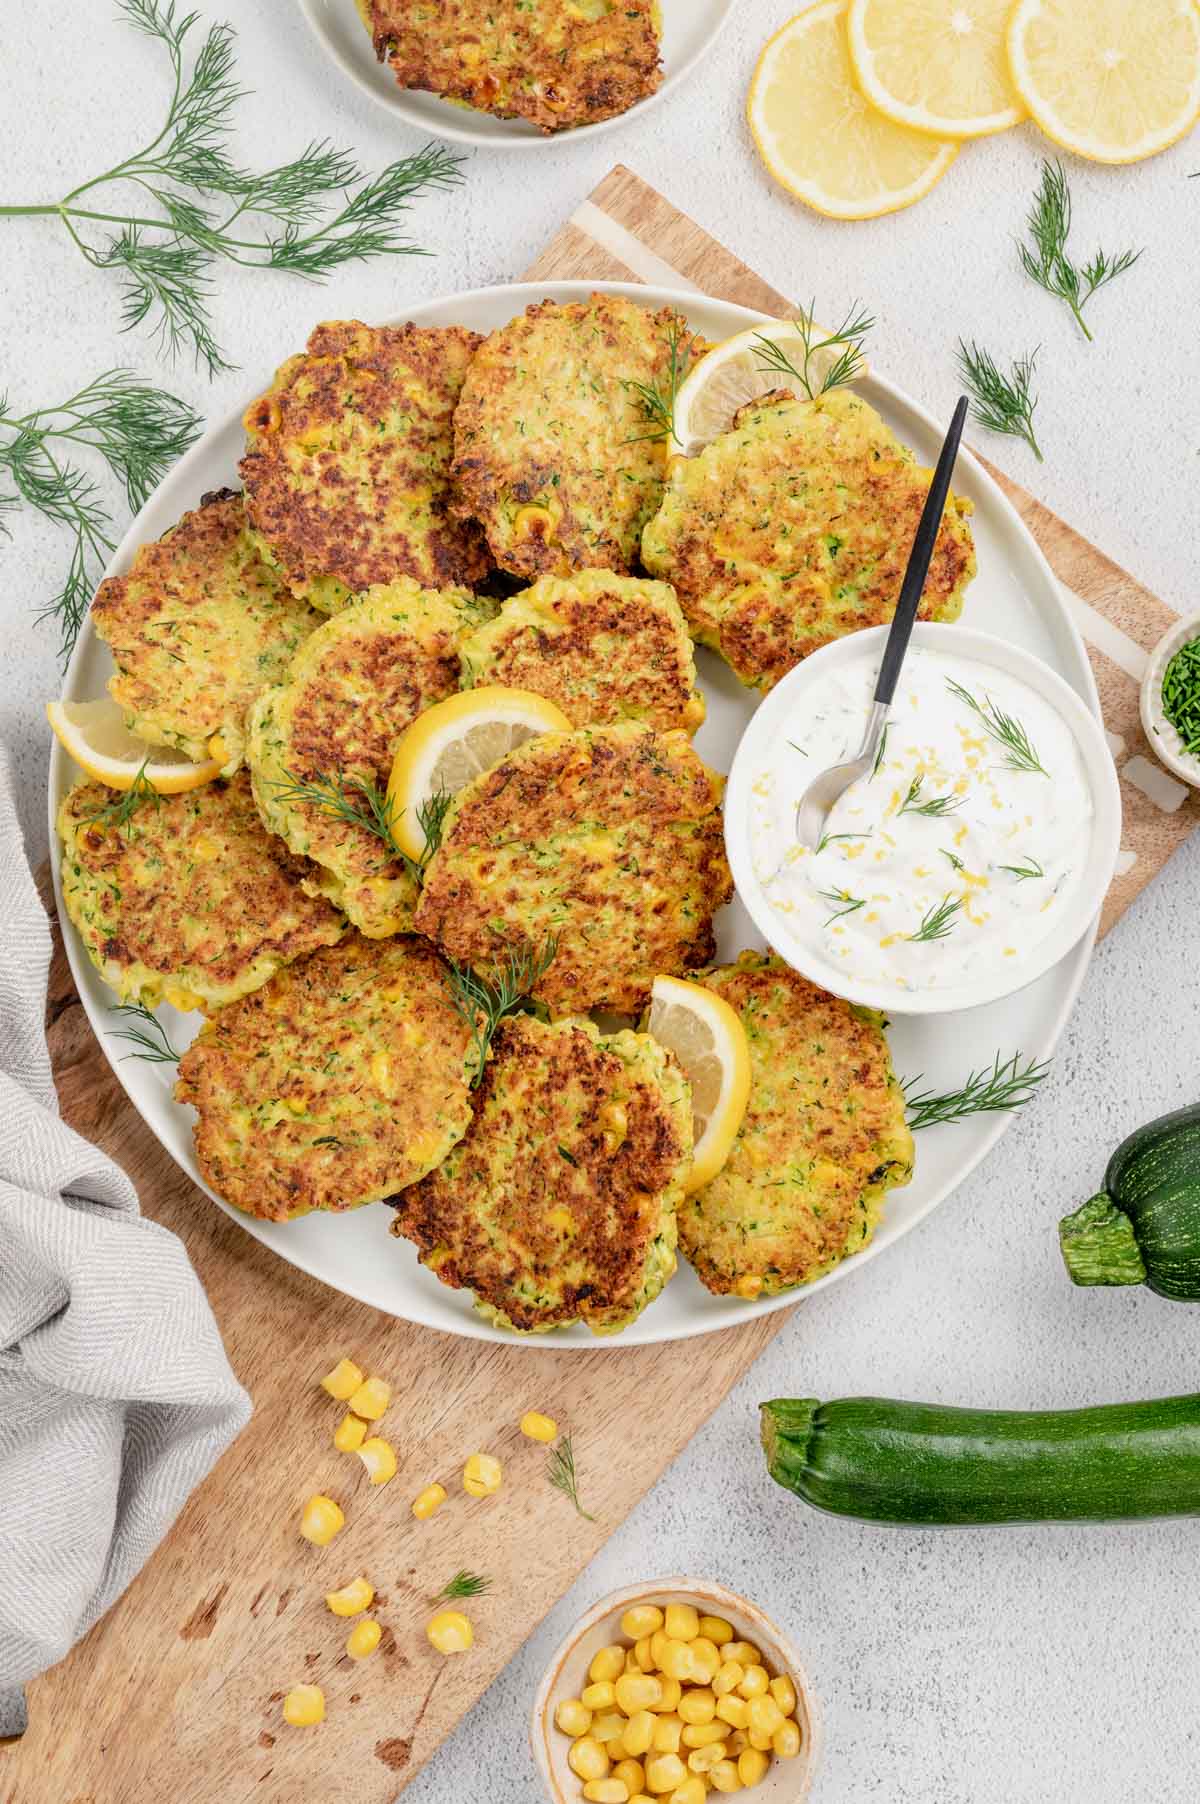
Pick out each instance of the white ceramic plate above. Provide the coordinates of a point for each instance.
(690, 28)
(1015, 596)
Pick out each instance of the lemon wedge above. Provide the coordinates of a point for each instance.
(737, 372)
(940, 66)
(821, 139)
(709, 1041)
(1108, 79)
(456, 740)
(95, 735)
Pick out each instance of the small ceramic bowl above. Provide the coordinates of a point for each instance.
(1165, 742)
(786, 1781)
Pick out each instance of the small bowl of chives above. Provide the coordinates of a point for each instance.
(1170, 700)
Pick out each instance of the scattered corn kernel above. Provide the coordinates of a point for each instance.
(631, 1773)
(379, 1457)
(639, 1691)
(451, 1632)
(606, 1791)
(717, 1630)
(692, 1791)
(371, 1399)
(343, 1381)
(363, 1638)
(573, 1717)
(699, 1706)
(599, 1696)
(357, 1595)
(641, 1620)
(639, 1734)
(752, 1764)
(754, 1682)
(724, 1776)
(702, 1735)
(303, 1706)
(784, 1693)
(786, 1740)
(349, 1434)
(428, 1501)
(321, 1521)
(609, 1663)
(537, 1427)
(667, 1731)
(732, 1710)
(587, 1759)
(608, 1727)
(703, 1760)
(482, 1475)
(682, 1622)
(664, 1772)
(728, 1677)
(763, 1716)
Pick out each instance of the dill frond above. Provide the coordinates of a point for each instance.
(119, 814)
(658, 404)
(1000, 403)
(844, 904)
(483, 1002)
(1008, 1085)
(937, 807)
(847, 341)
(146, 1032)
(360, 802)
(1046, 260)
(463, 1584)
(938, 920)
(560, 1470)
(1007, 731)
(1029, 867)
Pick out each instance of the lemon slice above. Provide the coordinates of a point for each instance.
(821, 139)
(1114, 80)
(456, 740)
(736, 372)
(95, 735)
(940, 66)
(709, 1041)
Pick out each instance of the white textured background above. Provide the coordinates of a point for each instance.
(1029, 1666)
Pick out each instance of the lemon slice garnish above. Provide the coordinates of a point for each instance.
(457, 740)
(95, 735)
(821, 139)
(1109, 79)
(940, 66)
(734, 373)
(709, 1041)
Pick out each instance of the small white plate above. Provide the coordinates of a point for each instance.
(690, 28)
(1165, 742)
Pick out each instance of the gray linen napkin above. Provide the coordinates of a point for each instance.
(115, 1393)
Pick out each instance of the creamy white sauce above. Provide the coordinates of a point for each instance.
(995, 866)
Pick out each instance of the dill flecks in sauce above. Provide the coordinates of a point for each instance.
(953, 859)
(1181, 695)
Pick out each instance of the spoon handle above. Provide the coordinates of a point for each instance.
(919, 559)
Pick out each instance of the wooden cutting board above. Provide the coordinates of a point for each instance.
(176, 1693)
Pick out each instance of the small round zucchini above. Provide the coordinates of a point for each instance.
(1144, 1226)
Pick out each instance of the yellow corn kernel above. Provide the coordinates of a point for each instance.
(786, 1740)
(599, 1695)
(573, 1717)
(607, 1727)
(675, 1659)
(379, 1457)
(371, 1399)
(664, 1772)
(724, 1776)
(703, 1735)
(609, 1663)
(358, 1595)
(784, 1693)
(217, 748)
(639, 1691)
(631, 1660)
(716, 1630)
(752, 1764)
(692, 1791)
(732, 1710)
(343, 1381)
(737, 1741)
(321, 1521)
(381, 1070)
(587, 1759)
(682, 1622)
(728, 1677)
(641, 1797)
(658, 1641)
(614, 1126)
(606, 1791)
(672, 1691)
(430, 1499)
(706, 1660)
(529, 522)
(450, 1632)
(631, 1773)
(537, 1427)
(744, 1652)
(303, 1706)
(482, 1475)
(703, 1760)
(754, 1682)
(699, 1706)
(761, 1742)
(363, 1638)
(349, 1434)
(639, 1734)
(642, 1654)
(183, 999)
(641, 1621)
(763, 1716)
(667, 1731)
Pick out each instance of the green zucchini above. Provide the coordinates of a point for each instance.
(1144, 1226)
(886, 1461)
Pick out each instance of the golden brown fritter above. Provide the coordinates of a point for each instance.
(192, 902)
(558, 1205)
(342, 1081)
(823, 1140)
(197, 625)
(553, 449)
(794, 528)
(606, 839)
(557, 63)
(347, 474)
(352, 689)
(603, 647)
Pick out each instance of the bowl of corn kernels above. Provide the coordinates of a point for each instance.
(666, 1693)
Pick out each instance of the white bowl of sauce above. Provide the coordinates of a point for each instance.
(967, 863)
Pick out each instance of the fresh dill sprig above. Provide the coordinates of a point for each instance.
(1000, 403)
(1007, 1085)
(196, 207)
(560, 1470)
(1004, 729)
(1046, 260)
(938, 919)
(847, 341)
(146, 1032)
(360, 802)
(830, 839)
(1029, 867)
(658, 404)
(483, 1002)
(883, 739)
(936, 807)
(119, 813)
(956, 863)
(136, 430)
(844, 904)
(463, 1584)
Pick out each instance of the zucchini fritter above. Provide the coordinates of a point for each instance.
(196, 627)
(553, 450)
(556, 64)
(794, 528)
(558, 1205)
(608, 840)
(604, 647)
(352, 689)
(344, 1080)
(823, 1140)
(192, 902)
(347, 474)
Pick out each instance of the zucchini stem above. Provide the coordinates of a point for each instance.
(1099, 1245)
